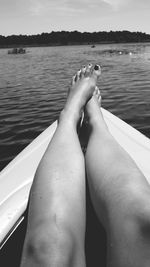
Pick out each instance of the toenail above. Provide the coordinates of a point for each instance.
(76, 77)
(96, 67)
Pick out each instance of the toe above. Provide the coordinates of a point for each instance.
(77, 76)
(96, 91)
(99, 99)
(83, 69)
(73, 80)
(88, 70)
(97, 94)
(96, 71)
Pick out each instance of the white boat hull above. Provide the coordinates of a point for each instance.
(17, 177)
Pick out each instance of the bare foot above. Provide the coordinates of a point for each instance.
(93, 111)
(81, 90)
(93, 119)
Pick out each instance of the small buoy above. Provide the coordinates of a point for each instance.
(130, 53)
(120, 53)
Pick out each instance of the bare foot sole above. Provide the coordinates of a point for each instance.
(91, 111)
(81, 90)
(94, 114)
(93, 106)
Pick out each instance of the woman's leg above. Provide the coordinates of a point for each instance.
(120, 194)
(56, 219)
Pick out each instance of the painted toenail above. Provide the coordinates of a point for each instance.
(96, 67)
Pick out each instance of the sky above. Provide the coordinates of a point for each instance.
(37, 16)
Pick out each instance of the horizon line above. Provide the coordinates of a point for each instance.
(22, 34)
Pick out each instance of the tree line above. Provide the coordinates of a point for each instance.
(74, 37)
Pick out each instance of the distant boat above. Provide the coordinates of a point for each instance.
(92, 46)
(19, 50)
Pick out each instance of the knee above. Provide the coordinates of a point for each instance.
(51, 248)
(138, 213)
(143, 217)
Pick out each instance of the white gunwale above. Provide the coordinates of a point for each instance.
(16, 178)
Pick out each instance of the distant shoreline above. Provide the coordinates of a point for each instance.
(65, 38)
(76, 44)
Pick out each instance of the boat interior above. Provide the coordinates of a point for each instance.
(95, 241)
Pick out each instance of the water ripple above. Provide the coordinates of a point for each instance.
(33, 88)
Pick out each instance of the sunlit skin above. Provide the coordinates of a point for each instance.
(120, 193)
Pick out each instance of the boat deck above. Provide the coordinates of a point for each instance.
(95, 243)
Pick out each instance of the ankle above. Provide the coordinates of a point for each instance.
(98, 125)
(67, 118)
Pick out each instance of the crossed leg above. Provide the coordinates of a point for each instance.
(120, 194)
(56, 218)
(119, 191)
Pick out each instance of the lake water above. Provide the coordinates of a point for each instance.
(33, 88)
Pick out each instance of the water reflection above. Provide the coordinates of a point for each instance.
(33, 88)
